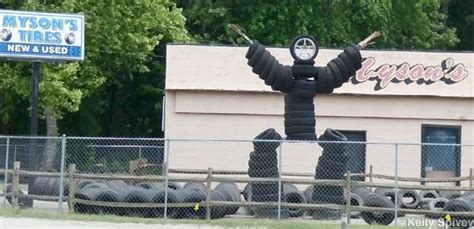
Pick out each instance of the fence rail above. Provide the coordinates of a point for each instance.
(272, 163)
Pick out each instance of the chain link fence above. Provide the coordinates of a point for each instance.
(267, 177)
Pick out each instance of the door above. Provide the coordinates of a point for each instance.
(441, 160)
(356, 152)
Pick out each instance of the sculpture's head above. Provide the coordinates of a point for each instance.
(304, 49)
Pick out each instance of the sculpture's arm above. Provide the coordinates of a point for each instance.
(276, 75)
(338, 70)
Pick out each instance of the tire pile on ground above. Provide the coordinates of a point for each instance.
(331, 166)
(264, 163)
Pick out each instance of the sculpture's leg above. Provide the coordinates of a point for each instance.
(264, 163)
(300, 121)
(331, 166)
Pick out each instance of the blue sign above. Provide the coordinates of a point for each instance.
(41, 36)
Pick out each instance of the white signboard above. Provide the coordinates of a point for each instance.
(39, 36)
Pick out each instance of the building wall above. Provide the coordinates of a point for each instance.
(212, 94)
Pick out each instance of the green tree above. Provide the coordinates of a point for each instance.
(413, 24)
(121, 38)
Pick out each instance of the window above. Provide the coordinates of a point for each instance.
(356, 152)
(440, 160)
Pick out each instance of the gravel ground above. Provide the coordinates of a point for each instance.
(15, 223)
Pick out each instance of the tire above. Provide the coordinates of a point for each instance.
(136, 195)
(333, 135)
(264, 189)
(342, 68)
(252, 49)
(347, 61)
(284, 80)
(341, 158)
(304, 88)
(271, 213)
(450, 195)
(355, 200)
(95, 185)
(300, 122)
(331, 81)
(299, 107)
(295, 197)
(108, 195)
(469, 198)
(336, 166)
(468, 193)
(253, 60)
(267, 164)
(300, 129)
(352, 51)
(308, 192)
(171, 185)
(389, 194)
(82, 183)
(174, 196)
(266, 57)
(460, 205)
(295, 57)
(268, 67)
(196, 187)
(329, 199)
(299, 114)
(338, 80)
(378, 218)
(189, 212)
(328, 174)
(270, 172)
(304, 71)
(427, 196)
(302, 137)
(39, 186)
(362, 192)
(57, 185)
(437, 204)
(412, 194)
(322, 80)
(273, 73)
(254, 156)
(291, 98)
(268, 134)
(271, 197)
(146, 185)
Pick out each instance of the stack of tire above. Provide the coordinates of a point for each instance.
(264, 163)
(48, 186)
(464, 203)
(331, 166)
(276, 75)
(300, 120)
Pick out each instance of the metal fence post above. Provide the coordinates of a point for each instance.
(167, 148)
(471, 172)
(5, 182)
(346, 219)
(61, 176)
(396, 183)
(279, 179)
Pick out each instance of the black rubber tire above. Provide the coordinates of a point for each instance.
(304, 71)
(253, 60)
(300, 122)
(460, 205)
(291, 98)
(428, 195)
(256, 156)
(231, 193)
(270, 172)
(299, 114)
(378, 218)
(190, 212)
(195, 186)
(355, 200)
(362, 192)
(108, 195)
(146, 185)
(292, 195)
(252, 49)
(348, 62)
(292, 107)
(412, 194)
(174, 196)
(264, 189)
(284, 80)
(82, 183)
(300, 129)
(136, 195)
(267, 68)
(258, 68)
(332, 199)
(469, 198)
(352, 51)
(304, 88)
(450, 195)
(273, 73)
(328, 174)
(116, 184)
(266, 164)
(272, 197)
(338, 80)
(259, 143)
(341, 158)
(24, 202)
(333, 135)
(322, 80)
(468, 193)
(389, 194)
(56, 187)
(302, 137)
(437, 204)
(89, 194)
(39, 186)
(171, 185)
(331, 81)
(295, 57)
(95, 185)
(342, 68)
(49, 188)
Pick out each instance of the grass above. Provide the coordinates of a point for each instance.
(228, 223)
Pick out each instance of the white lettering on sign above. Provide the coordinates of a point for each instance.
(447, 71)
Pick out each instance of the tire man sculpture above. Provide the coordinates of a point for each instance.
(300, 83)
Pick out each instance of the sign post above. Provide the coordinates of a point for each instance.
(40, 37)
